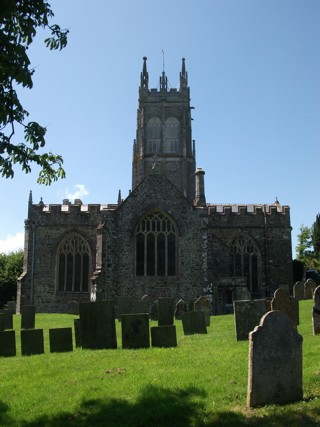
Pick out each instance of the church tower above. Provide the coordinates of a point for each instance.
(164, 140)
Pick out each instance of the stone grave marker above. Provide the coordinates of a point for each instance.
(11, 306)
(309, 288)
(7, 343)
(125, 306)
(60, 340)
(97, 324)
(73, 307)
(298, 290)
(141, 306)
(194, 322)
(164, 336)
(154, 311)
(28, 316)
(247, 315)
(289, 305)
(316, 311)
(135, 330)
(203, 304)
(181, 307)
(32, 342)
(275, 362)
(165, 311)
(77, 332)
(243, 293)
(2, 322)
(8, 318)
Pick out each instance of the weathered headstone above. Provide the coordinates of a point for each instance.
(32, 342)
(154, 310)
(181, 307)
(2, 321)
(97, 323)
(135, 330)
(166, 311)
(289, 305)
(247, 315)
(8, 318)
(141, 306)
(309, 288)
(275, 362)
(60, 340)
(77, 332)
(11, 306)
(203, 304)
(73, 307)
(316, 311)
(125, 306)
(164, 336)
(28, 316)
(298, 290)
(194, 322)
(7, 343)
(243, 293)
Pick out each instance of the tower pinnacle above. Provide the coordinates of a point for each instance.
(183, 75)
(144, 75)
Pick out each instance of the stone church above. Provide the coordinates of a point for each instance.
(164, 239)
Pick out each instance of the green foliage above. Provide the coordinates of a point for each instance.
(19, 22)
(304, 248)
(11, 267)
(316, 236)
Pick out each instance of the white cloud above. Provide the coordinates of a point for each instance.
(12, 243)
(80, 191)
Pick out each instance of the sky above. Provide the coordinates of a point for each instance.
(254, 77)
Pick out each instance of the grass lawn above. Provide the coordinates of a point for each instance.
(202, 382)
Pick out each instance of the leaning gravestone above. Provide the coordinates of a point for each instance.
(203, 304)
(135, 330)
(60, 340)
(275, 362)
(298, 290)
(77, 332)
(247, 315)
(28, 316)
(165, 311)
(309, 288)
(32, 342)
(164, 336)
(289, 305)
(97, 324)
(194, 322)
(7, 343)
(181, 307)
(73, 307)
(316, 311)
(125, 306)
(141, 306)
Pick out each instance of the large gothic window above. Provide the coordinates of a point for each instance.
(171, 135)
(244, 260)
(153, 135)
(156, 241)
(73, 264)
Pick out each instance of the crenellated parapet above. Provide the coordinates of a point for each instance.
(253, 209)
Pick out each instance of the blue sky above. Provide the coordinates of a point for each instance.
(254, 76)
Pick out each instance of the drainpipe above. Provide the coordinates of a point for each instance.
(32, 261)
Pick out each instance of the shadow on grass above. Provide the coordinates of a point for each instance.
(157, 407)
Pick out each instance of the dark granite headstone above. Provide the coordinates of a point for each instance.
(60, 340)
(97, 323)
(275, 362)
(203, 304)
(165, 311)
(194, 322)
(181, 307)
(73, 307)
(164, 336)
(28, 316)
(32, 342)
(8, 318)
(247, 315)
(141, 306)
(7, 343)
(135, 330)
(77, 332)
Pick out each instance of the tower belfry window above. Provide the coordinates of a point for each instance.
(153, 135)
(171, 135)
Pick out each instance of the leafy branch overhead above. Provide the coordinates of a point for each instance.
(19, 22)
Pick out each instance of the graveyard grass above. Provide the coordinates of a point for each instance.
(202, 382)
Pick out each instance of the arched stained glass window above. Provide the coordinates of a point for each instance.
(171, 135)
(73, 259)
(156, 242)
(153, 135)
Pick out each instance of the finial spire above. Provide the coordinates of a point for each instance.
(144, 75)
(183, 75)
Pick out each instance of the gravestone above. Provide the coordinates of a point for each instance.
(28, 316)
(165, 311)
(60, 340)
(194, 322)
(97, 324)
(141, 306)
(316, 311)
(275, 362)
(203, 304)
(2, 322)
(247, 315)
(181, 307)
(135, 330)
(298, 290)
(73, 307)
(77, 332)
(11, 306)
(154, 310)
(32, 342)
(243, 293)
(8, 318)
(124, 305)
(7, 343)
(164, 336)
(289, 305)
(309, 288)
